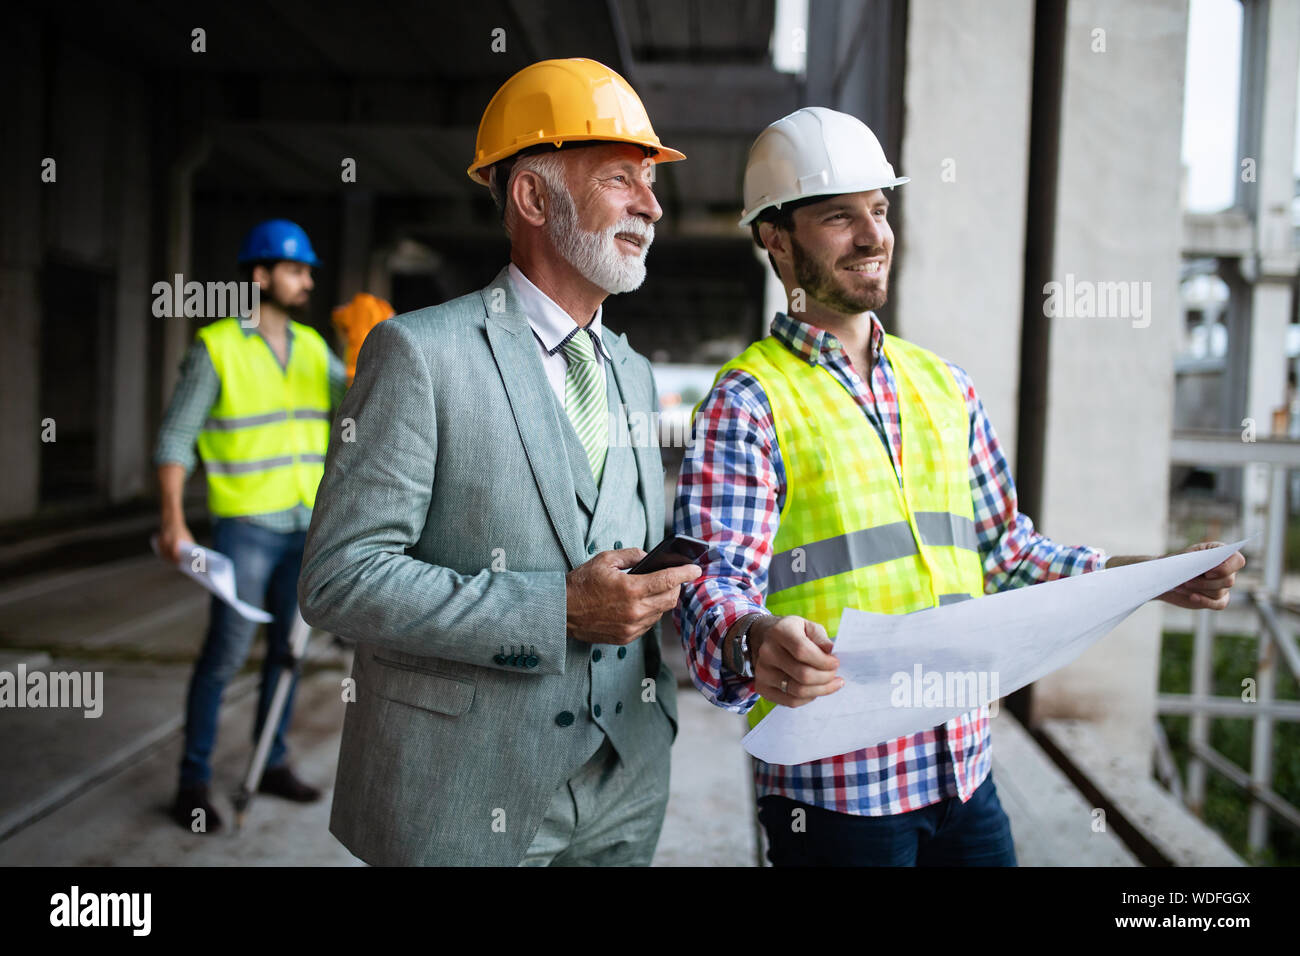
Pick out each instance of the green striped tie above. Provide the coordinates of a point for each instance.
(584, 399)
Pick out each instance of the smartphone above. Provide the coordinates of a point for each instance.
(670, 553)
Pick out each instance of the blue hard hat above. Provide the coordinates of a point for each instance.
(277, 239)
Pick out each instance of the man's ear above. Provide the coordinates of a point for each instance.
(528, 192)
(262, 276)
(775, 240)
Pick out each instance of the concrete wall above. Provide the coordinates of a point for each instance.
(965, 147)
(1111, 389)
(20, 256)
(130, 473)
(968, 94)
(92, 118)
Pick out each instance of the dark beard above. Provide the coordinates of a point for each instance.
(819, 284)
(296, 313)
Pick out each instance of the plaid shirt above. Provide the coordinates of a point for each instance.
(730, 493)
(196, 392)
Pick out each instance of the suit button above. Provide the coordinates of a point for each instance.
(596, 655)
(591, 548)
(564, 718)
(618, 708)
(622, 653)
(596, 710)
(617, 545)
(532, 661)
(513, 660)
(499, 659)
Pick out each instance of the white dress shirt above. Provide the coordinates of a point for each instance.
(552, 327)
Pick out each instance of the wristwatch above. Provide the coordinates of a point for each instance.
(741, 661)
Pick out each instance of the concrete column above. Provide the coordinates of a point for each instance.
(1110, 373)
(128, 453)
(1274, 26)
(22, 197)
(180, 216)
(960, 253)
(1271, 57)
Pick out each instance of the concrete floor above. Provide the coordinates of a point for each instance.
(122, 821)
(94, 792)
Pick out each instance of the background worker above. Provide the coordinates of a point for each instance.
(258, 400)
(838, 466)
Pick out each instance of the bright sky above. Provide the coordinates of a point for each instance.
(1210, 108)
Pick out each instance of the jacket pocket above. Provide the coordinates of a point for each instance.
(417, 687)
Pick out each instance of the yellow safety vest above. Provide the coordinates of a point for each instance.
(263, 444)
(850, 535)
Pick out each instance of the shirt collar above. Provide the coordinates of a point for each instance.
(815, 345)
(551, 324)
(255, 330)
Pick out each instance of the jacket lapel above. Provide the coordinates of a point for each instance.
(635, 398)
(533, 403)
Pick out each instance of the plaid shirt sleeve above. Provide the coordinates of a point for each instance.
(729, 493)
(196, 392)
(1014, 554)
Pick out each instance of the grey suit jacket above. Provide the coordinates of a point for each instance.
(456, 466)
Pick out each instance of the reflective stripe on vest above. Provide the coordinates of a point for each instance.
(858, 549)
(850, 534)
(246, 421)
(263, 444)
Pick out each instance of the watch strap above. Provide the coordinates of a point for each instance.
(741, 661)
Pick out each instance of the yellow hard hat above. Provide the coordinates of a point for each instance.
(563, 101)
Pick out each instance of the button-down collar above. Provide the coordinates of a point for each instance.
(816, 345)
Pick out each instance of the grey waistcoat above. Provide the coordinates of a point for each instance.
(615, 681)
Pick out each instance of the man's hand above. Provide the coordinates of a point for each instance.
(170, 537)
(1209, 590)
(608, 606)
(793, 664)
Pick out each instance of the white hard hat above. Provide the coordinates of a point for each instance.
(813, 152)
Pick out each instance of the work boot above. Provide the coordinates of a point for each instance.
(280, 782)
(189, 799)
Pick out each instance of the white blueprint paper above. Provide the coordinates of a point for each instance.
(218, 576)
(905, 673)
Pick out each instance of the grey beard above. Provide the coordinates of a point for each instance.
(592, 253)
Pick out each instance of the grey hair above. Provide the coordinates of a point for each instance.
(549, 166)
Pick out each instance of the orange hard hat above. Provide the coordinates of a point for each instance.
(563, 101)
(355, 320)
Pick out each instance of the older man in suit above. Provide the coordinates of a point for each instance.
(511, 702)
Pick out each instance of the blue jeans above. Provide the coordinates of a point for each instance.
(947, 833)
(267, 564)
